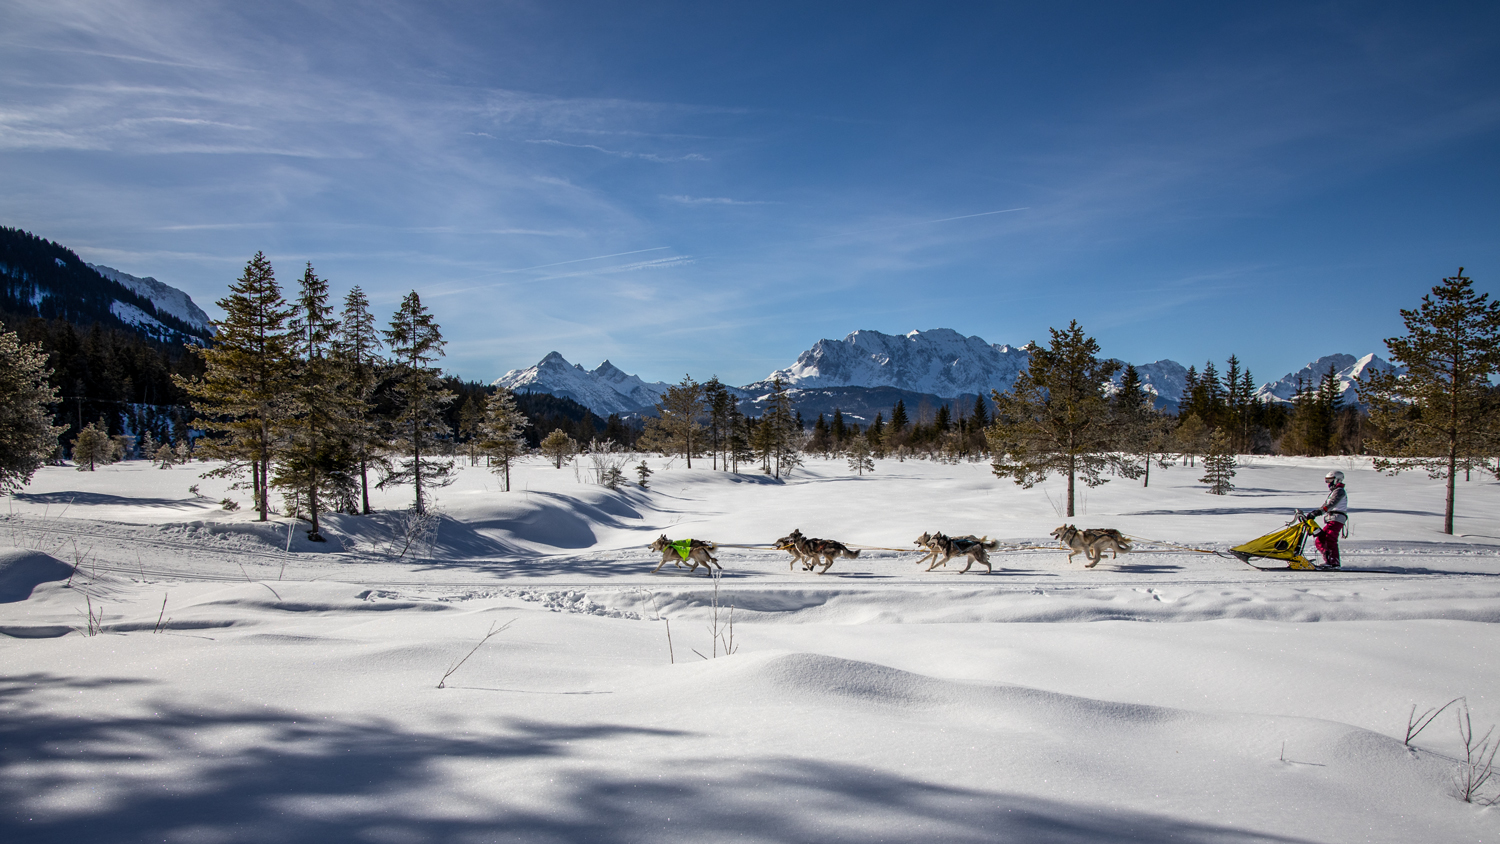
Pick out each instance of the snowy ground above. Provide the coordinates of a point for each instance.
(1165, 696)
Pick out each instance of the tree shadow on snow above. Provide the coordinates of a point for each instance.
(289, 778)
(98, 499)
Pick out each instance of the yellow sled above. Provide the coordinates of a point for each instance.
(1285, 544)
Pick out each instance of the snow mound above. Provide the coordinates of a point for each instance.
(22, 570)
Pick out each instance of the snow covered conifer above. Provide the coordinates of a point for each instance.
(499, 432)
(27, 436)
(1441, 413)
(416, 343)
(1219, 465)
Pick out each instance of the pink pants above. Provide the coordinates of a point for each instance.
(1327, 541)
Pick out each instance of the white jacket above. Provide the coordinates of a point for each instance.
(1337, 505)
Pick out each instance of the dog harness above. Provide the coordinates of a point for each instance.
(683, 547)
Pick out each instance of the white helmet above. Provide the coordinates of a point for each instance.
(1335, 477)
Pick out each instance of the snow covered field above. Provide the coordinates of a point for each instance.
(1164, 696)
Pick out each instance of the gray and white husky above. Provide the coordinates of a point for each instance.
(1092, 543)
(975, 548)
(806, 550)
(699, 553)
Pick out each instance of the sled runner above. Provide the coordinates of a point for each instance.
(1285, 544)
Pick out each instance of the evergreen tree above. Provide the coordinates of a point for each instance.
(1141, 432)
(1191, 438)
(720, 402)
(740, 434)
(1055, 418)
(499, 435)
(246, 372)
(27, 436)
(943, 421)
(92, 446)
(1219, 465)
(876, 436)
(559, 446)
(679, 411)
(643, 474)
(356, 349)
(470, 417)
(415, 343)
(1441, 413)
(899, 420)
(783, 432)
(859, 453)
(314, 456)
(821, 441)
(838, 431)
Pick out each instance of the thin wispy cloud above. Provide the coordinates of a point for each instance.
(713, 200)
(645, 156)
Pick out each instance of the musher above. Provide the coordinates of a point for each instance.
(1336, 513)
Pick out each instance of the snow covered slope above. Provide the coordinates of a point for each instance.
(167, 299)
(605, 390)
(1349, 370)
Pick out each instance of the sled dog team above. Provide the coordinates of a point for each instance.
(940, 548)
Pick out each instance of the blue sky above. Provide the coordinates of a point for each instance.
(709, 188)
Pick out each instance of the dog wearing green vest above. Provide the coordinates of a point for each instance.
(691, 551)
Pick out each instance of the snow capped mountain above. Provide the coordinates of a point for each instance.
(167, 299)
(1349, 370)
(1164, 379)
(940, 361)
(862, 374)
(605, 390)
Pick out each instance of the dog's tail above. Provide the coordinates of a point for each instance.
(989, 544)
(1123, 543)
(844, 551)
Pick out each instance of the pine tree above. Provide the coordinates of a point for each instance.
(415, 343)
(246, 371)
(899, 420)
(92, 446)
(838, 431)
(559, 446)
(1142, 433)
(314, 455)
(1191, 438)
(500, 432)
(643, 474)
(783, 432)
(470, 416)
(1441, 413)
(679, 410)
(27, 436)
(356, 349)
(1055, 418)
(876, 436)
(1219, 465)
(720, 402)
(858, 453)
(821, 441)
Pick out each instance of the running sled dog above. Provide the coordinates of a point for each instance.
(975, 548)
(806, 550)
(698, 553)
(1091, 543)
